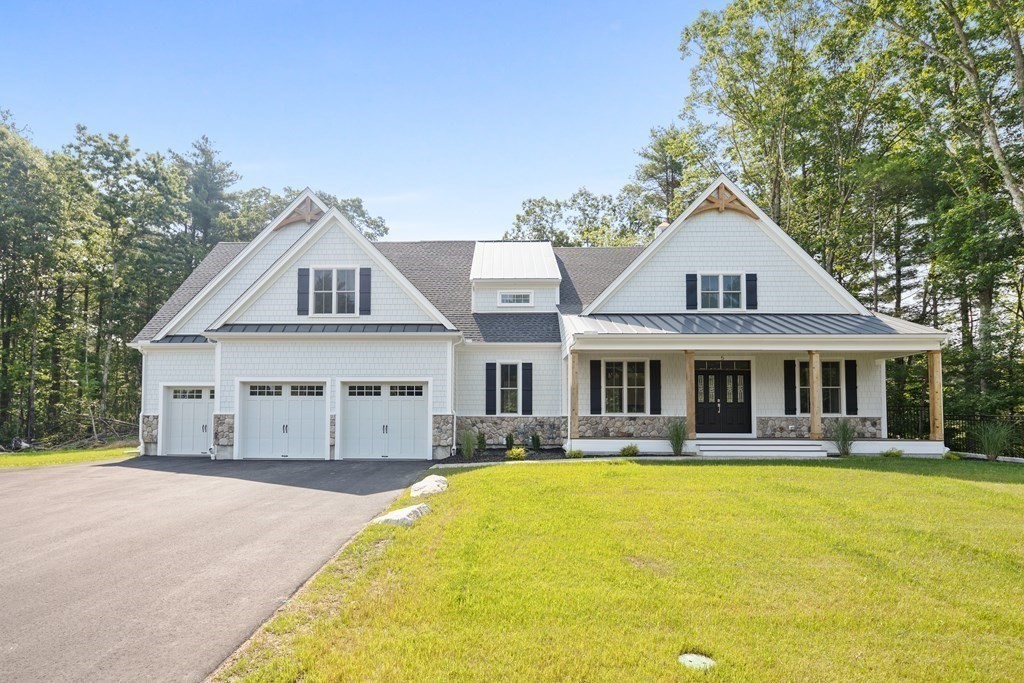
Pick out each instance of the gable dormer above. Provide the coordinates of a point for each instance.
(723, 254)
(515, 277)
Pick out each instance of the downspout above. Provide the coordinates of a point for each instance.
(451, 394)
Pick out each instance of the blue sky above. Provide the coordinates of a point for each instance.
(444, 117)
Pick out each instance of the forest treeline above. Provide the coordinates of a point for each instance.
(885, 136)
(93, 239)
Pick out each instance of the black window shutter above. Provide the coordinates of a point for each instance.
(655, 369)
(691, 291)
(364, 291)
(491, 389)
(751, 291)
(527, 370)
(851, 387)
(303, 302)
(595, 387)
(789, 385)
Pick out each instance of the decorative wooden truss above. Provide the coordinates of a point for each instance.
(721, 199)
(306, 212)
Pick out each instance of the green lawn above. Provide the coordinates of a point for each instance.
(40, 458)
(852, 570)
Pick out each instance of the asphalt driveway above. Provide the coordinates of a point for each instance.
(157, 569)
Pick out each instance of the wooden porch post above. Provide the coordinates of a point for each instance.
(691, 395)
(935, 417)
(814, 375)
(574, 395)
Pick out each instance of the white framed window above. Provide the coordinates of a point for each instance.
(831, 387)
(721, 291)
(625, 387)
(335, 291)
(520, 298)
(508, 388)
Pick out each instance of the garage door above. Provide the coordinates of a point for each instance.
(283, 421)
(384, 421)
(188, 421)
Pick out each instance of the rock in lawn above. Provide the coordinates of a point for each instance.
(433, 484)
(403, 517)
(696, 661)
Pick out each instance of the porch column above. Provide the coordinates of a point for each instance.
(814, 375)
(574, 395)
(691, 395)
(937, 431)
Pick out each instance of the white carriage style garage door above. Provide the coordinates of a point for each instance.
(283, 420)
(188, 421)
(385, 421)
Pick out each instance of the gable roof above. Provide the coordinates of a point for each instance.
(215, 262)
(714, 198)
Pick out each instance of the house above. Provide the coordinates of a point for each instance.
(313, 342)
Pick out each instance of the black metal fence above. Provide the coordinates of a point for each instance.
(913, 423)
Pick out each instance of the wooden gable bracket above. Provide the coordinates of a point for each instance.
(721, 199)
(306, 212)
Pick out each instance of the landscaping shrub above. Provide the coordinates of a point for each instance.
(843, 433)
(535, 441)
(481, 440)
(994, 438)
(677, 436)
(630, 451)
(468, 443)
(516, 453)
(510, 441)
(892, 453)
(574, 453)
(952, 455)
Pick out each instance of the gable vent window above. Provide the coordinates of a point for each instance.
(334, 291)
(515, 298)
(264, 389)
(721, 291)
(307, 390)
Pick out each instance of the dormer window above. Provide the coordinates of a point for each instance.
(334, 291)
(721, 291)
(515, 298)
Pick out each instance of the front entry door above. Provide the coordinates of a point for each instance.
(723, 397)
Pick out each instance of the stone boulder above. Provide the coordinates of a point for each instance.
(404, 516)
(435, 483)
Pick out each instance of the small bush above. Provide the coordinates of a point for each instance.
(892, 453)
(994, 438)
(952, 455)
(677, 436)
(468, 443)
(843, 433)
(481, 440)
(510, 441)
(535, 441)
(516, 453)
(630, 451)
(574, 453)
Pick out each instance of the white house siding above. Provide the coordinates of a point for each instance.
(485, 298)
(333, 360)
(233, 288)
(173, 366)
(727, 242)
(389, 302)
(470, 363)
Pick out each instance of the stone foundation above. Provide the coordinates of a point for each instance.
(625, 426)
(150, 428)
(333, 432)
(442, 431)
(553, 430)
(799, 427)
(223, 429)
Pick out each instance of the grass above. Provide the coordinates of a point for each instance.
(845, 570)
(42, 458)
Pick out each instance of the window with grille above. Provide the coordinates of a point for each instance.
(509, 388)
(307, 390)
(364, 390)
(524, 298)
(406, 390)
(831, 388)
(187, 394)
(625, 387)
(721, 291)
(264, 389)
(334, 291)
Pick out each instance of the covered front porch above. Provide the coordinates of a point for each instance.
(765, 395)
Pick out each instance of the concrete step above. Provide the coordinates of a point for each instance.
(766, 449)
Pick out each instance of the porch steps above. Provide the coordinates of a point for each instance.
(761, 448)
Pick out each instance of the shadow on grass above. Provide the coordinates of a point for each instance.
(966, 470)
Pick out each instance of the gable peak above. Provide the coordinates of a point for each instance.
(722, 198)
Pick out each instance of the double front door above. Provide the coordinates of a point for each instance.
(723, 396)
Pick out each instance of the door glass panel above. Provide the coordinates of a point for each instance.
(728, 388)
(711, 389)
(700, 388)
(739, 389)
